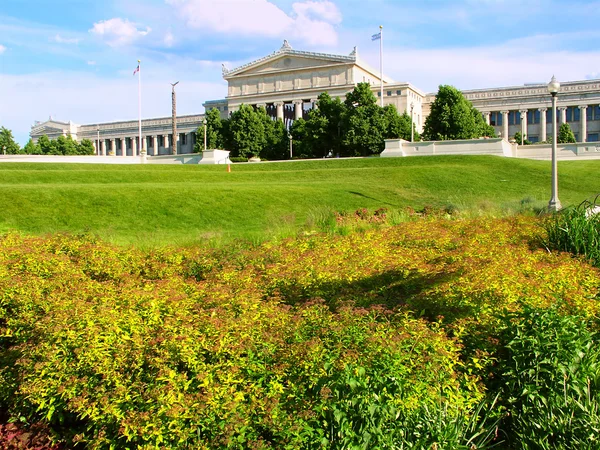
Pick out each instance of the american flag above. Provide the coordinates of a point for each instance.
(137, 69)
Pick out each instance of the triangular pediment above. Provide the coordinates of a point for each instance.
(49, 127)
(288, 59)
(290, 62)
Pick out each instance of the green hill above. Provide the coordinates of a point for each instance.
(157, 205)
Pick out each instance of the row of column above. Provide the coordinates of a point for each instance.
(562, 118)
(134, 145)
(298, 108)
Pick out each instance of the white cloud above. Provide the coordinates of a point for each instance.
(2, 49)
(311, 21)
(61, 40)
(91, 63)
(118, 32)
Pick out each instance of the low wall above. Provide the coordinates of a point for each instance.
(581, 150)
(208, 157)
(400, 147)
(497, 147)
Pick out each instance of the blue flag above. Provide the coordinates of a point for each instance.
(376, 37)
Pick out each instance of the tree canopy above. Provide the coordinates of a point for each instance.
(565, 134)
(452, 117)
(7, 142)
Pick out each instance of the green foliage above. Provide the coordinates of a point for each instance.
(32, 148)
(398, 126)
(247, 132)
(452, 116)
(518, 137)
(7, 142)
(565, 134)
(116, 348)
(214, 132)
(575, 230)
(85, 147)
(365, 124)
(551, 377)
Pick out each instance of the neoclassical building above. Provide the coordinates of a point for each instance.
(287, 83)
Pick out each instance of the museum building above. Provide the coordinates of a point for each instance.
(288, 82)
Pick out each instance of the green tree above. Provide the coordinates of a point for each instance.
(47, 147)
(276, 138)
(398, 126)
(85, 147)
(452, 116)
(65, 145)
(7, 142)
(365, 126)
(32, 148)
(322, 132)
(565, 134)
(246, 132)
(214, 132)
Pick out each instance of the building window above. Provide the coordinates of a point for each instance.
(573, 114)
(533, 139)
(389, 93)
(514, 117)
(592, 137)
(183, 138)
(378, 93)
(496, 119)
(398, 92)
(576, 137)
(533, 116)
(161, 141)
(596, 112)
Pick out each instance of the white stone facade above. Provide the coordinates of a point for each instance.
(288, 82)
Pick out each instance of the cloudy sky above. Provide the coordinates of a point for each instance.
(74, 59)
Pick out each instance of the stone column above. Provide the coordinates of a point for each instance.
(123, 146)
(279, 106)
(524, 123)
(113, 147)
(102, 147)
(134, 146)
(155, 146)
(298, 106)
(486, 116)
(563, 114)
(543, 131)
(95, 147)
(583, 123)
(144, 145)
(166, 141)
(314, 101)
(505, 125)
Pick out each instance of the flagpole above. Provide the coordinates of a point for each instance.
(381, 61)
(140, 108)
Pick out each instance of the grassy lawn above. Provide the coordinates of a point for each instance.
(156, 205)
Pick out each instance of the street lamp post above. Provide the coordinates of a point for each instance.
(554, 204)
(412, 124)
(291, 145)
(204, 123)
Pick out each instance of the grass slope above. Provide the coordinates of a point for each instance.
(156, 205)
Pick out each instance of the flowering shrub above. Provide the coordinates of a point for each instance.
(337, 342)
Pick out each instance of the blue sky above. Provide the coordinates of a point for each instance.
(74, 59)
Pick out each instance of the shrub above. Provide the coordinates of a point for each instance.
(575, 230)
(551, 380)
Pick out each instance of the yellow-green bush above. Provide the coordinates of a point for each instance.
(315, 342)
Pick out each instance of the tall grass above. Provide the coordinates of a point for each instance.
(576, 230)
